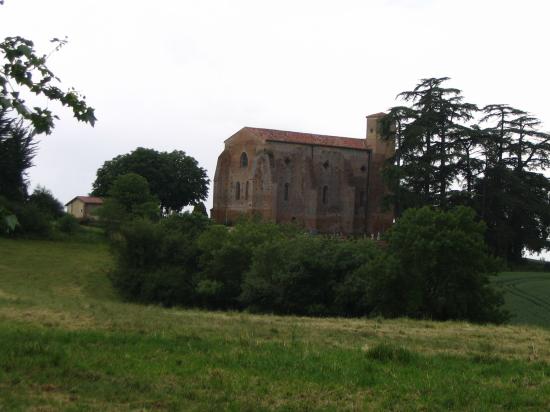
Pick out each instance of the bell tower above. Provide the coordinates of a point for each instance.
(380, 148)
(379, 218)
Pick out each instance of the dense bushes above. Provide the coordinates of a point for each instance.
(39, 216)
(129, 199)
(434, 265)
(308, 275)
(159, 262)
(437, 267)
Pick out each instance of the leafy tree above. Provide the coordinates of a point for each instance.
(129, 198)
(68, 224)
(23, 70)
(175, 178)
(438, 267)
(158, 262)
(200, 208)
(17, 150)
(44, 200)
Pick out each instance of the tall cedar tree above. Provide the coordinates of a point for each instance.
(429, 139)
(512, 193)
(495, 166)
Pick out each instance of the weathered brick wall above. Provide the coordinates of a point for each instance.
(324, 189)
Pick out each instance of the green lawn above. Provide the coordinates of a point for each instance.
(68, 343)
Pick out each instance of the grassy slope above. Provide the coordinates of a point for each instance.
(66, 342)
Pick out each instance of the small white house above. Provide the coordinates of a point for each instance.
(82, 207)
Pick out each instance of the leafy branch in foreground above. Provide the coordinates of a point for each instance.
(23, 69)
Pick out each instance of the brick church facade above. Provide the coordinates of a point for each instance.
(326, 184)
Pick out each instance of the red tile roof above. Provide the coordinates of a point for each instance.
(88, 200)
(308, 138)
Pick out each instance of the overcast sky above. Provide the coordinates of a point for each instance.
(186, 75)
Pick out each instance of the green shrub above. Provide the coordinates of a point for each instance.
(129, 199)
(226, 255)
(437, 267)
(44, 200)
(307, 275)
(24, 219)
(158, 262)
(33, 221)
(68, 224)
(8, 219)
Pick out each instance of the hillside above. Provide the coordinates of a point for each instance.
(68, 343)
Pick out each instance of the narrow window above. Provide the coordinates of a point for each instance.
(237, 191)
(246, 191)
(286, 191)
(325, 194)
(361, 198)
(244, 160)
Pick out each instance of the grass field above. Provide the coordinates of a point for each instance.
(527, 296)
(68, 343)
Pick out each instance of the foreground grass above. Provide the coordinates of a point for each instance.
(67, 342)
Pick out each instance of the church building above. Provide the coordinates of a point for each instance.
(326, 184)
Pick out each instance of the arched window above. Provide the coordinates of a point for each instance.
(286, 191)
(246, 191)
(244, 160)
(325, 194)
(237, 191)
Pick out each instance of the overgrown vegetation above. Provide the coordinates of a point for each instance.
(435, 266)
(68, 343)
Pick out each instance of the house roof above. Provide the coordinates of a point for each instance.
(307, 138)
(90, 200)
(380, 114)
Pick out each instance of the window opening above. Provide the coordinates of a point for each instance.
(246, 191)
(325, 194)
(244, 160)
(286, 191)
(237, 191)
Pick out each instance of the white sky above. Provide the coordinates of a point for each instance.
(188, 74)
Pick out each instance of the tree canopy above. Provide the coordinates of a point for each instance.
(450, 153)
(175, 178)
(129, 198)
